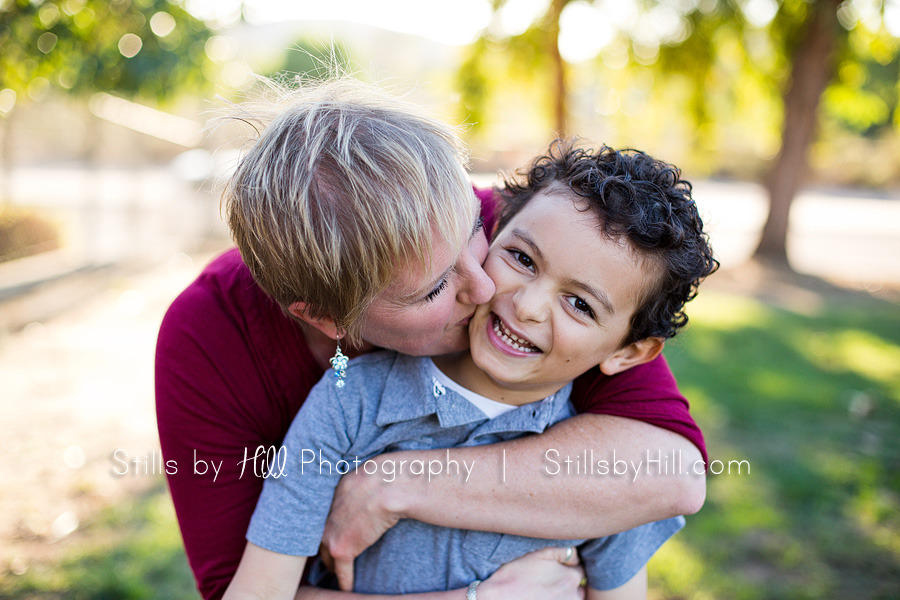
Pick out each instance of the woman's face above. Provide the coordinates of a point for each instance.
(426, 311)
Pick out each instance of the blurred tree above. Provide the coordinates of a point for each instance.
(536, 50)
(153, 49)
(801, 51)
(149, 49)
(811, 39)
(312, 60)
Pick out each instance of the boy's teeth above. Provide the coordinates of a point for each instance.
(511, 339)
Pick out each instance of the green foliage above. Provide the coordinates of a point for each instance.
(473, 83)
(491, 66)
(308, 60)
(858, 109)
(145, 48)
(864, 94)
(724, 50)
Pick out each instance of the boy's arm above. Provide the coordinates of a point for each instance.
(635, 589)
(263, 574)
(541, 575)
(548, 574)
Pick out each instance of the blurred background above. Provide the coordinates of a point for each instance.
(783, 113)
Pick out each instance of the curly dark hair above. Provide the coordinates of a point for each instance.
(641, 199)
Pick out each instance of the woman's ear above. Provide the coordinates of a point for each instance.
(636, 353)
(326, 325)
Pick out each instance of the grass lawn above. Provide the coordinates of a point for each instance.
(809, 398)
(130, 552)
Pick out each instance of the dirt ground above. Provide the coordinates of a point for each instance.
(78, 406)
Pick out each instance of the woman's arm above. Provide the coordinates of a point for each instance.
(510, 487)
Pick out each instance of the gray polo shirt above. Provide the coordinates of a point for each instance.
(390, 403)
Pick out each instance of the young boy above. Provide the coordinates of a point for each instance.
(595, 256)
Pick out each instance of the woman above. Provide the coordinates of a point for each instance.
(239, 350)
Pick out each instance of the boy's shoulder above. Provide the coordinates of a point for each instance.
(381, 389)
(367, 370)
(376, 377)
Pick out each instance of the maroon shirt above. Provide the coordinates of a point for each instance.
(232, 371)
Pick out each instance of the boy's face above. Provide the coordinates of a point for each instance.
(564, 300)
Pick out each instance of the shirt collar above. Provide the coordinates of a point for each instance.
(411, 392)
(530, 418)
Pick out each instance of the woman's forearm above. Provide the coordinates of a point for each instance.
(586, 477)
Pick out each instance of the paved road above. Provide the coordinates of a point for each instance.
(849, 236)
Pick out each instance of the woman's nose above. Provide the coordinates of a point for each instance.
(477, 288)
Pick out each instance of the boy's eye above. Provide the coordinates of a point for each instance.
(433, 294)
(522, 258)
(580, 305)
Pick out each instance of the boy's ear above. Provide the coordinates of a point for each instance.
(324, 324)
(636, 353)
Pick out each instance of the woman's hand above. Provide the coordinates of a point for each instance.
(357, 519)
(548, 574)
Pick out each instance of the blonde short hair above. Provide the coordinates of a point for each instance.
(344, 184)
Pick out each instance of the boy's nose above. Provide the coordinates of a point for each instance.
(530, 304)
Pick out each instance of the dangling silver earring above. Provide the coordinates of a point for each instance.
(339, 366)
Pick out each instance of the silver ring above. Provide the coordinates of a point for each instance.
(570, 551)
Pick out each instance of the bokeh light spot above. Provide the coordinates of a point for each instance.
(130, 45)
(162, 24)
(7, 100)
(47, 42)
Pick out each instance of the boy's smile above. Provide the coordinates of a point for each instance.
(505, 339)
(565, 297)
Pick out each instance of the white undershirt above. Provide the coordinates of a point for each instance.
(491, 408)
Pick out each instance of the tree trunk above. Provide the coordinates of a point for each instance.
(812, 69)
(559, 68)
(6, 160)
